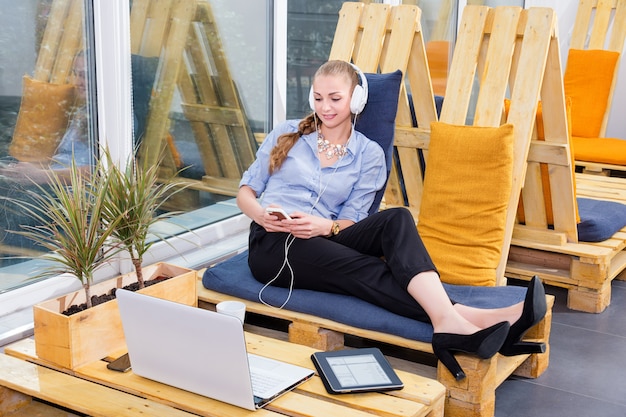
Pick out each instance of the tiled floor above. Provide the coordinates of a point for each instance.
(587, 372)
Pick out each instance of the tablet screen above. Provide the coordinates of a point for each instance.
(358, 370)
(354, 370)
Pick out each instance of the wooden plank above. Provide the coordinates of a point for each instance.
(153, 144)
(601, 22)
(69, 44)
(616, 42)
(494, 79)
(374, 23)
(78, 395)
(51, 40)
(463, 67)
(138, 20)
(581, 24)
(348, 25)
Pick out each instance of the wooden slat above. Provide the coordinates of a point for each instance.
(464, 62)
(494, 80)
(78, 395)
(157, 124)
(349, 19)
(51, 40)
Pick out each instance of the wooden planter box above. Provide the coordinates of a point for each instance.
(95, 333)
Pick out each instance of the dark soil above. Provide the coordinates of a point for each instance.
(103, 298)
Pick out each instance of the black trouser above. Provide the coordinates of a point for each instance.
(373, 259)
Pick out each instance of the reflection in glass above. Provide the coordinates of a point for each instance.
(44, 105)
(192, 66)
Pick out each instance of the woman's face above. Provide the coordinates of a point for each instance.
(332, 96)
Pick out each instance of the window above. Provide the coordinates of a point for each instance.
(47, 109)
(199, 93)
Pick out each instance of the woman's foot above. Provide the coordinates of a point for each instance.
(535, 308)
(484, 344)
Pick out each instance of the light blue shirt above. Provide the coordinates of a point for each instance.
(344, 190)
(74, 145)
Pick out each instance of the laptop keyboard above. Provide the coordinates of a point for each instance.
(261, 382)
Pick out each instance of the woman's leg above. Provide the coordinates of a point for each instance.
(447, 317)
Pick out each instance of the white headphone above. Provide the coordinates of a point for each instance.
(359, 95)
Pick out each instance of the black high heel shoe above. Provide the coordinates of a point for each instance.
(484, 344)
(535, 308)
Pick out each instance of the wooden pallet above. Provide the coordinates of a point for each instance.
(472, 397)
(585, 269)
(550, 248)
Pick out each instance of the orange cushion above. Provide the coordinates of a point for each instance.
(438, 54)
(462, 218)
(588, 79)
(42, 120)
(602, 150)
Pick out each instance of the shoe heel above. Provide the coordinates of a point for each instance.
(449, 361)
(523, 348)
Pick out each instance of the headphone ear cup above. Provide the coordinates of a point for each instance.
(359, 98)
(311, 99)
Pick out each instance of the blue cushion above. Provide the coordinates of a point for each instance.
(599, 219)
(233, 277)
(377, 121)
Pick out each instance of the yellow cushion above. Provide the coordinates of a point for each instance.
(42, 120)
(603, 150)
(467, 187)
(587, 80)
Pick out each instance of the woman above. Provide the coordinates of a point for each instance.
(323, 174)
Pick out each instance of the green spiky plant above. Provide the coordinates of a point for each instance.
(133, 199)
(67, 213)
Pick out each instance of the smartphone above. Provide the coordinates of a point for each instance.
(121, 364)
(280, 213)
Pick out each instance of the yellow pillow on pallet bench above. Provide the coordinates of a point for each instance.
(467, 186)
(42, 120)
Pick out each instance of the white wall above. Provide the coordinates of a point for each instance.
(566, 14)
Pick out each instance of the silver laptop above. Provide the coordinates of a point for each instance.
(200, 351)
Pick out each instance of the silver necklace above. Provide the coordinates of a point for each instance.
(329, 149)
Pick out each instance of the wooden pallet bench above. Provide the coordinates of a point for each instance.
(474, 396)
(124, 394)
(586, 269)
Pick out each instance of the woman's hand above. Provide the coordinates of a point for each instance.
(275, 223)
(306, 226)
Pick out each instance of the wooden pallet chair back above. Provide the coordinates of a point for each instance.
(590, 78)
(382, 38)
(192, 59)
(548, 197)
(601, 25)
(514, 56)
(493, 44)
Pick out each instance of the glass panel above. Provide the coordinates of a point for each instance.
(200, 93)
(46, 105)
(310, 30)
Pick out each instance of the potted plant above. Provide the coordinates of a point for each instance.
(63, 212)
(77, 226)
(133, 197)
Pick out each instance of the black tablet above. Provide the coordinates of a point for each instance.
(355, 370)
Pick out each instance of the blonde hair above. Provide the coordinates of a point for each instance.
(310, 123)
